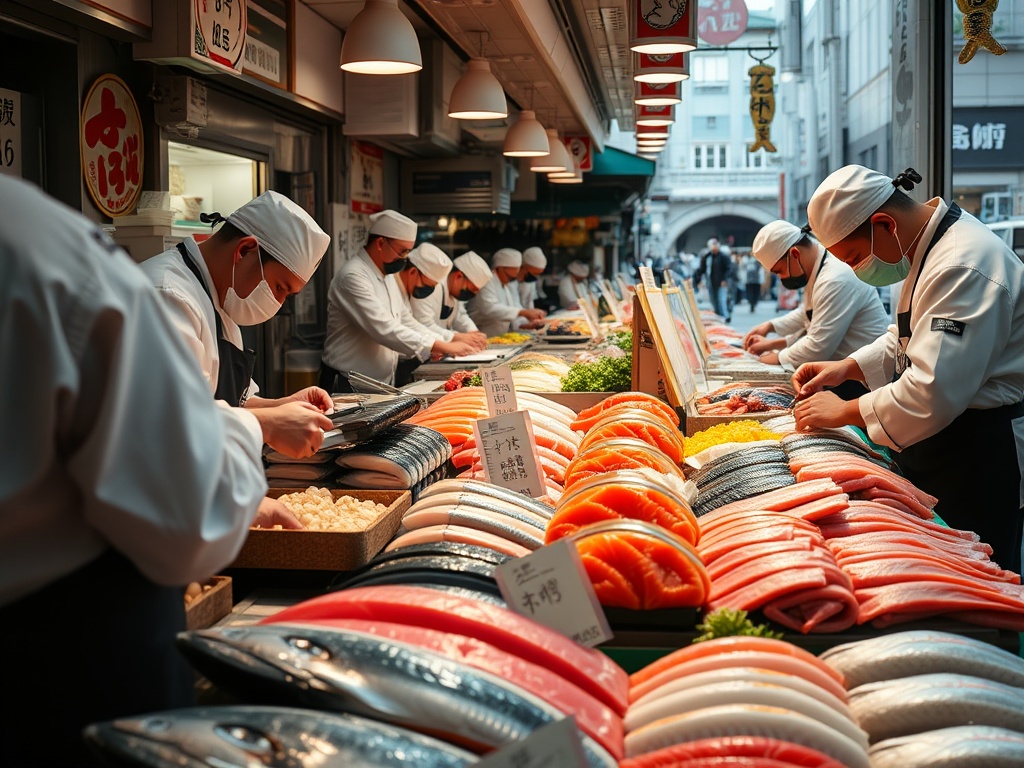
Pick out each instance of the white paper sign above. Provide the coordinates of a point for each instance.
(10, 132)
(611, 301)
(499, 390)
(590, 313)
(509, 453)
(555, 745)
(551, 586)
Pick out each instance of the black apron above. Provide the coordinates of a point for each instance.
(333, 381)
(971, 465)
(236, 365)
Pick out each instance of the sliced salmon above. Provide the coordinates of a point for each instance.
(589, 416)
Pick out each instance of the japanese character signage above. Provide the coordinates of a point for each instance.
(551, 586)
(555, 745)
(266, 55)
(720, 22)
(983, 137)
(366, 177)
(661, 67)
(663, 26)
(510, 454)
(220, 31)
(762, 105)
(590, 314)
(111, 146)
(499, 390)
(10, 132)
(579, 148)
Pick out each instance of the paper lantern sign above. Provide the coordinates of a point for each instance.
(655, 94)
(661, 67)
(111, 144)
(720, 22)
(663, 26)
(762, 105)
(658, 115)
(579, 148)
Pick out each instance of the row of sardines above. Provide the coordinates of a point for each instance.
(415, 659)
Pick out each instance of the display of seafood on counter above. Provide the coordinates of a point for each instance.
(744, 397)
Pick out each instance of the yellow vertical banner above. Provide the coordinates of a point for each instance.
(762, 105)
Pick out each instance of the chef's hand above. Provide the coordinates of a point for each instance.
(813, 377)
(294, 429)
(769, 358)
(825, 409)
(763, 345)
(272, 512)
(476, 339)
(532, 315)
(453, 348)
(757, 333)
(318, 397)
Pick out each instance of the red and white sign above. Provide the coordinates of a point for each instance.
(660, 115)
(220, 30)
(661, 67)
(653, 94)
(366, 177)
(663, 26)
(579, 148)
(112, 146)
(720, 22)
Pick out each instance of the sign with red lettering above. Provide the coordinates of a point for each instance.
(579, 148)
(719, 22)
(366, 185)
(111, 145)
(663, 26)
(220, 31)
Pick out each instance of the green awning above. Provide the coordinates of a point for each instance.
(615, 162)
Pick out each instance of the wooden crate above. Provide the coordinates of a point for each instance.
(211, 606)
(326, 550)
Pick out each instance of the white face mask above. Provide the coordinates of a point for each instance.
(258, 307)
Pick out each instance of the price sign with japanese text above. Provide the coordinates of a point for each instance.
(10, 132)
(220, 31)
(555, 745)
(551, 586)
(111, 146)
(589, 308)
(510, 454)
(499, 390)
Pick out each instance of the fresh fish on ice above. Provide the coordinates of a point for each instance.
(965, 746)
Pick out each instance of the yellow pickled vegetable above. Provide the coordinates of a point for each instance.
(509, 338)
(730, 432)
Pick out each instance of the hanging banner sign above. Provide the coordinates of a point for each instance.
(762, 106)
(10, 132)
(661, 67)
(658, 94)
(579, 148)
(657, 26)
(111, 146)
(366, 177)
(720, 22)
(220, 31)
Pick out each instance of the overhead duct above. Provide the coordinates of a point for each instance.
(466, 184)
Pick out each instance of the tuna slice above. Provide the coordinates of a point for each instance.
(589, 669)
(734, 752)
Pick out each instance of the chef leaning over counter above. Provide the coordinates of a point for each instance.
(946, 381)
(444, 310)
(262, 253)
(497, 308)
(121, 480)
(534, 263)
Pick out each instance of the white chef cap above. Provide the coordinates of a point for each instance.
(393, 225)
(507, 257)
(431, 261)
(578, 268)
(774, 240)
(845, 200)
(534, 257)
(283, 230)
(474, 268)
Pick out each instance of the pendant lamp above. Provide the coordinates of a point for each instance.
(576, 178)
(661, 67)
(478, 95)
(526, 138)
(652, 132)
(658, 94)
(648, 156)
(381, 41)
(663, 27)
(557, 159)
(570, 169)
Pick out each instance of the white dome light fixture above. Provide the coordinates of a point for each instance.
(576, 178)
(570, 169)
(381, 41)
(558, 158)
(526, 138)
(478, 95)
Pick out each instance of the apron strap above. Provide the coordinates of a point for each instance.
(194, 269)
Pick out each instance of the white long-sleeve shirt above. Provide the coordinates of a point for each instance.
(568, 289)
(109, 434)
(495, 308)
(846, 314)
(967, 336)
(428, 313)
(369, 322)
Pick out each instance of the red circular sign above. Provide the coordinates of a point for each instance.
(719, 22)
(112, 146)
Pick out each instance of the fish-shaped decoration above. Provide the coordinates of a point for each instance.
(978, 28)
(762, 105)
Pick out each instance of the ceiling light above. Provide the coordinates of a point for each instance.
(648, 156)
(665, 28)
(651, 143)
(381, 41)
(658, 94)
(478, 95)
(663, 115)
(576, 178)
(652, 150)
(652, 132)
(663, 68)
(526, 138)
(557, 160)
(570, 169)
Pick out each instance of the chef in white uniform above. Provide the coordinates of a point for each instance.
(121, 480)
(534, 263)
(369, 322)
(839, 313)
(947, 381)
(264, 252)
(574, 283)
(444, 310)
(497, 307)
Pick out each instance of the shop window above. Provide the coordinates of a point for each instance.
(710, 69)
(710, 156)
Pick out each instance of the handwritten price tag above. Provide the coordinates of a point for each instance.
(499, 390)
(510, 454)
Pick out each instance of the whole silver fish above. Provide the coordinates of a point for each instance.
(921, 652)
(265, 737)
(966, 746)
(892, 708)
(344, 670)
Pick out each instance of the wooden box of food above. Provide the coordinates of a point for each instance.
(325, 550)
(211, 605)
